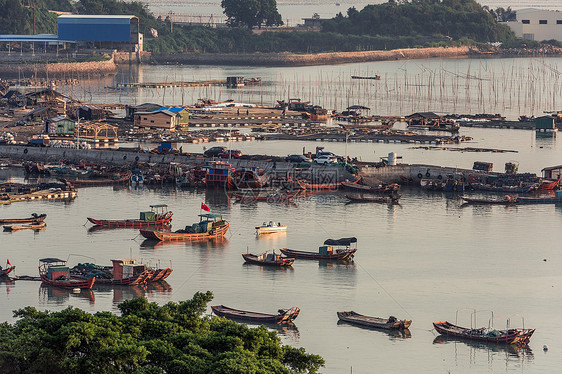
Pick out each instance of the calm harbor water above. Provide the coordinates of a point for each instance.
(422, 260)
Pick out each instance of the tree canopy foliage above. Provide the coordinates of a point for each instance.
(146, 338)
(452, 18)
(251, 13)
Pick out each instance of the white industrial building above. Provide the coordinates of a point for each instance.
(537, 24)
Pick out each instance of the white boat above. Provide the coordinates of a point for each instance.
(271, 227)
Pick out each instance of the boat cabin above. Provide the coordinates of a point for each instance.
(155, 211)
(329, 244)
(219, 174)
(124, 268)
(206, 222)
(54, 268)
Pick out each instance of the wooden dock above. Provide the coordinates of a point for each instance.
(205, 83)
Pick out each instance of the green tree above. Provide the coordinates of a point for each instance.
(146, 338)
(251, 13)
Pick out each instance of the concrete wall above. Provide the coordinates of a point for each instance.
(316, 173)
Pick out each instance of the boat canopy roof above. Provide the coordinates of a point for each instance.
(210, 215)
(342, 241)
(50, 260)
(159, 206)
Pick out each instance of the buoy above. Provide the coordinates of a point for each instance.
(545, 347)
(76, 290)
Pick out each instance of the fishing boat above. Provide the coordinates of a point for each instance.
(274, 196)
(374, 77)
(270, 228)
(282, 316)
(33, 226)
(380, 189)
(390, 323)
(158, 215)
(373, 199)
(125, 271)
(98, 182)
(35, 218)
(507, 200)
(507, 336)
(268, 259)
(327, 251)
(210, 226)
(54, 272)
(521, 188)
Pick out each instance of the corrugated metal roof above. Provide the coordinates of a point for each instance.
(172, 109)
(85, 16)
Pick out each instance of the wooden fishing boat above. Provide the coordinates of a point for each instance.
(210, 226)
(326, 252)
(269, 197)
(390, 323)
(507, 189)
(35, 218)
(508, 336)
(4, 272)
(54, 272)
(98, 182)
(158, 215)
(33, 226)
(282, 316)
(268, 259)
(123, 272)
(380, 189)
(507, 200)
(373, 199)
(315, 187)
(270, 228)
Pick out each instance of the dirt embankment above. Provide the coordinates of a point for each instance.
(58, 68)
(291, 59)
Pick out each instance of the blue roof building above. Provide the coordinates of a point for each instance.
(98, 28)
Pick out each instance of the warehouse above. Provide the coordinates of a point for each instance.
(119, 32)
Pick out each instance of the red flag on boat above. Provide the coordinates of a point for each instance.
(205, 207)
(8, 262)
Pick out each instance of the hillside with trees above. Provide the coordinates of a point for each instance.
(145, 338)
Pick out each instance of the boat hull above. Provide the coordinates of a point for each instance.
(216, 232)
(224, 311)
(69, 283)
(342, 255)
(270, 230)
(38, 226)
(253, 259)
(38, 219)
(132, 222)
(513, 336)
(373, 322)
(8, 270)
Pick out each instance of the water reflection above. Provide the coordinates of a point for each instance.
(122, 293)
(216, 243)
(511, 352)
(392, 334)
(269, 269)
(59, 296)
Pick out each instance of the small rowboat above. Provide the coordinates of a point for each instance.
(390, 323)
(508, 200)
(157, 216)
(268, 259)
(509, 336)
(326, 252)
(35, 218)
(270, 228)
(35, 226)
(98, 182)
(373, 199)
(283, 316)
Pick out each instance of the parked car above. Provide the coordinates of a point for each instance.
(297, 158)
(325, 159)
(233, 153)
(214, 151)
